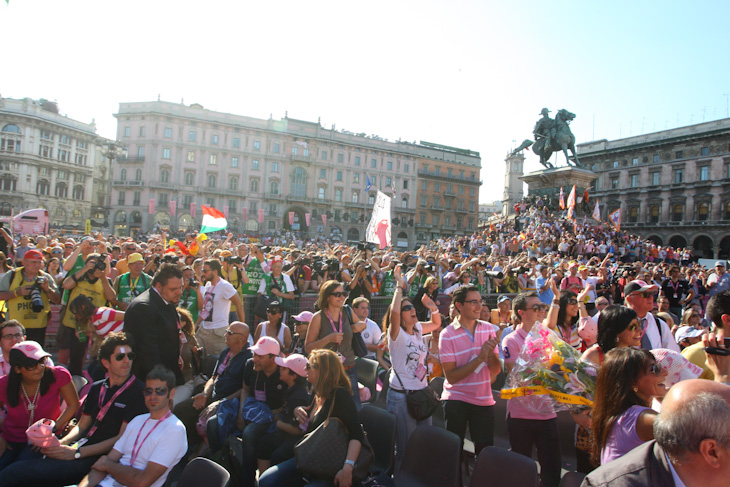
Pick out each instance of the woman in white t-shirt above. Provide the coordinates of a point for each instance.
(408, 357)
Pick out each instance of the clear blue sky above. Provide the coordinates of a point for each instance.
(467, 74)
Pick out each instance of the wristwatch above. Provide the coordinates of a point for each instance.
(77, 455)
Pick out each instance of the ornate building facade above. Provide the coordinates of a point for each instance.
(265, 175)
(673, 186)
(47, 160)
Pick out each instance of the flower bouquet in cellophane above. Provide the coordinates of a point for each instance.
(549, 375)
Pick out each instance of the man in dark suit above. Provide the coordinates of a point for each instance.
(152, 322)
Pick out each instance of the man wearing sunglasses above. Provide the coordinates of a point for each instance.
(151, 445)
(110, 405)
(527, 428)
(639, 296)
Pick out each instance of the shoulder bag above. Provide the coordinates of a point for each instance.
(323, 452)
(421, 403)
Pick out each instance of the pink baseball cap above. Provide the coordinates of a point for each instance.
(266, 346)
(26, 352)
(304, 316)
(295, 362)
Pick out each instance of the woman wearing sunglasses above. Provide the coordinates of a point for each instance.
(567, 326)
(627, 382)
(408, 357)
(332, 329)
(332, 398)
(273, 327)
(30, 392)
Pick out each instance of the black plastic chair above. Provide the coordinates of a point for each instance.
(572, 479)
(79, 382)
(379, 425)
(202, 471)
(497, 467)
(207, 367)
(438, 416)
(367, 375)
(432, 459)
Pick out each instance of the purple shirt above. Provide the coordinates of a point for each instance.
(623, 436)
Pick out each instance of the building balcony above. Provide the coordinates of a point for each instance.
(437, 207)
(129, 159)
(161, 185)
(358, 204)
(448, 227)
(297, 198)
(302, 159)
(461, 210)
(410, 211)
(232, 192)
(445, 177)
(424, 226)
(122, 182)
(273, 196)
(450, 194)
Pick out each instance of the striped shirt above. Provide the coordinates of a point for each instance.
(104, 323)
(457, 345)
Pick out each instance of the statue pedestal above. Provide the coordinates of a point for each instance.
(547, 182)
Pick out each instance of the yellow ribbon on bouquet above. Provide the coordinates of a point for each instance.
(537, 390)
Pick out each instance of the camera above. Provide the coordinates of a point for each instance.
(266, 249)
(366, 246)
(193, 283)
(232, 260)
(494, 275)
(100, 263)
(35, 298)
(170, 259)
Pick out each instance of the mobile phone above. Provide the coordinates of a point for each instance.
(717, 351)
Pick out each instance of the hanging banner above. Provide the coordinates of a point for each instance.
(307, 218)
(225, 211)
(261, 215)
(173, 207)
(324, 219)
(152, 207)
(291, 218)
(245, 213)
(192, 209)
(379, 228)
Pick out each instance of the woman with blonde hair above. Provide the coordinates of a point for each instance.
(332, 398)
(332, 328)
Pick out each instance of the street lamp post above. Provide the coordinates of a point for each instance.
(111, 149)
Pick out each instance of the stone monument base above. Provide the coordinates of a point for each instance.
(547, 182)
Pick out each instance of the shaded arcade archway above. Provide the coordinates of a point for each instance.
(702, 247)
(677, 241)
(724, 248)
(300, 224)
(656, 239)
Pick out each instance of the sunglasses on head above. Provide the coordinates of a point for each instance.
(120, 356)
(158, 391)
(407, 307)
(340, 294)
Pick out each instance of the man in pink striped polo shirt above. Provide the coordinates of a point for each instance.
(470, 360)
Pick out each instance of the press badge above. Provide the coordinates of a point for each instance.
(260, 395)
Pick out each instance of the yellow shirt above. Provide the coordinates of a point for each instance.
(93, 291)
(696, 354)
(21, 309)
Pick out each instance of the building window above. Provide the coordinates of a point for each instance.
(405, 184)
(679, 154)
(274, 188)
(187, 199)
(340, 158)
(404, 203)
(635, 161)
(231, 206)
(189, 176)
(727, 211)
(678, 175)
(136, 198)
(236, 142)
(256, 145)
(461, 189)
(615, 164)
(305, 152)
(472, 192)
(338, 195)
(213, 159)
(703, 211)
(209, 201)
(471, 206)
(294, 151)
(276, 148)
(704, 173)
(120, 197)
(656, 157)
(191, 156)
(122, 175)
(614, 182)
(322, 174)
(164, 176)
(192, 136)
(447, 221)
(163, 199)
(320, 193)
(357, 160)
(677, 212)
(166, 153)
(233, 184)
(168, 133)
(214, 139)
(422, 218)
(389, 165)
(255, 165)
(423, 201)
(655, 178)
(138, 175)
(43, 187)
(274, 167)
(633, 214)
(127, 131)
(142, 131)
(424, 185)
(634, 180)
(211, 180)
(388, 182)
(234, 161)
(654, 214)
(61, 190)
(373, 163)
(339, 176)
(254, 186)
(355, 196)
(371, 199)
(272, 225)
(436, 201)
(705, 151)
(356, 178)
(435, 219)
(324, 155)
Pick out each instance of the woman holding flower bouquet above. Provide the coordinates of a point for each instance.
(408, 355)
(627, 382)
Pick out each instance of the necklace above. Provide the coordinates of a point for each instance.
(31, 404)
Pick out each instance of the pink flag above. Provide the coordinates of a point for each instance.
(152, 207)
(192, 209)
(173, 207)
(261, 215)
(245, 213)
(291, 218)
(225, 211)
(324, 219)
(307, 218)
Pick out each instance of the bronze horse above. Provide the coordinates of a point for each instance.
(561, 139)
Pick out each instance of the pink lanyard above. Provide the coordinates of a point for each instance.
(134, 447)
(224, 365)
(104, 408)
(339, 330)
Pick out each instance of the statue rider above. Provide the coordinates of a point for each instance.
(544, 130)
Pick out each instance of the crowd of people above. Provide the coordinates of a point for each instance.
(187, 344)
